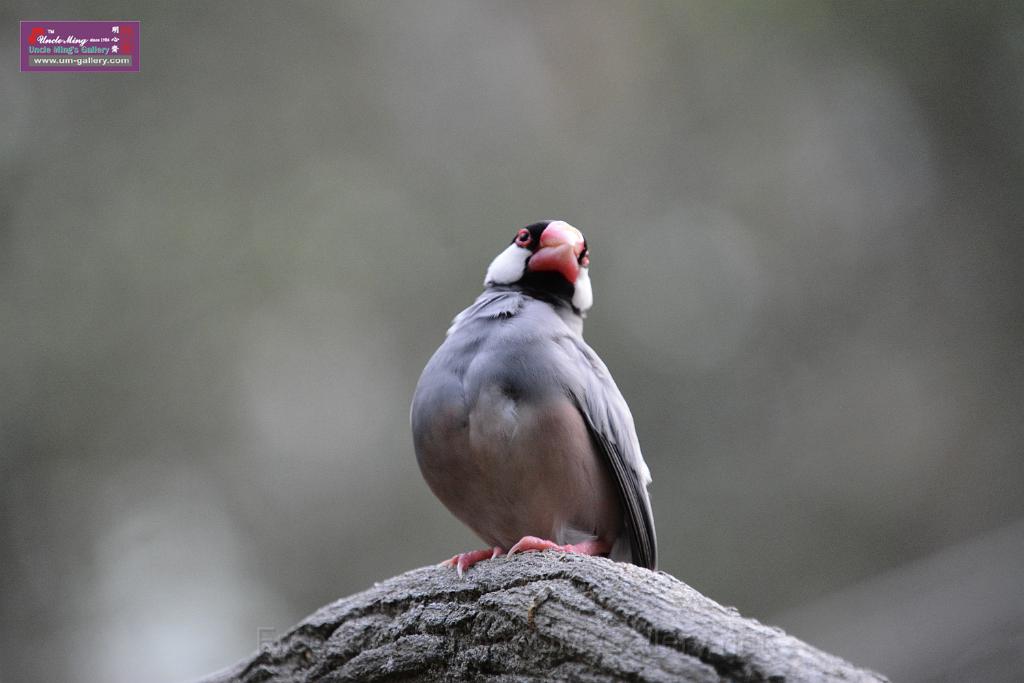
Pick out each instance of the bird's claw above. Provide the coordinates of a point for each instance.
(533, 543)
(463, 561)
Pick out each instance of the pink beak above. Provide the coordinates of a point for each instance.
(560, 249)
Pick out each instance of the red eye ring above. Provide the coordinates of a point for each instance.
(585, 258)
(523, 238)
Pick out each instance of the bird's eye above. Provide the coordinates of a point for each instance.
(585, 258)
(524, 238)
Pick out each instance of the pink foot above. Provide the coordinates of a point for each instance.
(527, 543)
(464, 561)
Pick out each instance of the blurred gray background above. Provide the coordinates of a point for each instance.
(221, 277)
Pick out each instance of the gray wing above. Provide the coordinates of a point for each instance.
(611, 425)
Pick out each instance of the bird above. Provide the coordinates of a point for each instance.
(519, 428)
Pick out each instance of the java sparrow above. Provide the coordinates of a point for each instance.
(519, 428)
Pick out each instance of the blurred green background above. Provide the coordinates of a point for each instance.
(221, 277)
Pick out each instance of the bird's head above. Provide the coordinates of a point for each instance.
(549, 258)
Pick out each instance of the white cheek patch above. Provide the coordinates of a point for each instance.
(508, 266)
(583, 297)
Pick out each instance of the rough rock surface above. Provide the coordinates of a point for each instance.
(536, 616)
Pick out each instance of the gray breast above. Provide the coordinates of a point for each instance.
(497, 437)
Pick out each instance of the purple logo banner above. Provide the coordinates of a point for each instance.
(80, 45)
